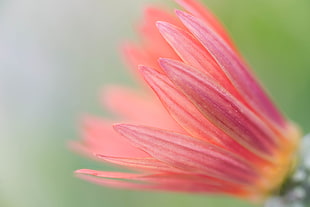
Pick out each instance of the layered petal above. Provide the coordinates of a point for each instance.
(135, 55)
(189, 117)
(145, 164)
(196, 9)
(138, 107)
(165, 182)
(233, 67)
(209, 127)
(192, 52)
(189, 154)
(100, 138)
(154, 44)
(222, 109)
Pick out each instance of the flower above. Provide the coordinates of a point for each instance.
(214, 130)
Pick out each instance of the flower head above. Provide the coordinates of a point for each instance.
(209, 128)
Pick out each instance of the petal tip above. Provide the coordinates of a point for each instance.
(122, 128)
(179, 12)
(117, 126)
(82, 171)
(145, 71)
(163, 61)
(182, 14)
(161, 25)
(142, 68)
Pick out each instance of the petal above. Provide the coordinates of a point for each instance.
(234, 68)
(222, 109)
(189, 117)
(147, 163)
(134, 56)
(181, 109)
(200, 11)
(167, 182)
(100, 138)
(188, 153)
(154, 44)
(193, 53)
(138, 107)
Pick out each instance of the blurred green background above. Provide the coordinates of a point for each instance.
(55, 56)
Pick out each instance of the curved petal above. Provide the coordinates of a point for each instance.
(234, 68)
(148, 163)
(99, 137)
(222, 109)
(202, 12)
(138, 107)
(189, 117)
(188, 153)
(135, 55)
(167, 182)
(154, 44)
(193, 53)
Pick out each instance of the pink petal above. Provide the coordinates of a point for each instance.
(200, 11)
(153, 42)
(147, 163)
(234, 68)
(181, 109)
(193, 53)
(188, 153)
(138, 107)
(188, 116)
(134, 56)
(167, 182)
(100, 138)
(222, 109)
(167, 177)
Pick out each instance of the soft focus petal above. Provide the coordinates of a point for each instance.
(188, 153)
(147, 163)
(100, 138)
(138, 107)
(154, 44)
(172, 182)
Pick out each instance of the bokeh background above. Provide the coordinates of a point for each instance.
(55, 56)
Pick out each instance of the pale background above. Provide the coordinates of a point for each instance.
(55, 55)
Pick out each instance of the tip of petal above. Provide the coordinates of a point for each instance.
(167, 64)
(121, 128)
(161, 24)
(147, 72)
(125, 128)
(181, 13)
(143, 68)
(163, 61)
(86, 172)
(183, 16)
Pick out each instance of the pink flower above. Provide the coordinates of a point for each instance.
(210, 128)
